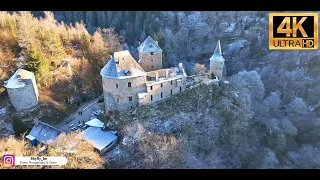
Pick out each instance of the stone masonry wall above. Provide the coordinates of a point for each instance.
(155, 90)
(216, 68)
(23, 98)
(116, 92)
(150, 62)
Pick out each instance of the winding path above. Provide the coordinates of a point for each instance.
(86, 109)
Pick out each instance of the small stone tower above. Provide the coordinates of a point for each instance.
(217, 62)
(150, 55)
(22, 90)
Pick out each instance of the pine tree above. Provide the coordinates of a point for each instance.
(102, 19)
(19, 126)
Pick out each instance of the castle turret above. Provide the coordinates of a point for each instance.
(22, 90)
(150, 55)
(122, 78)
(217, 62)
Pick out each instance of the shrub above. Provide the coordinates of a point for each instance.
(69, 51)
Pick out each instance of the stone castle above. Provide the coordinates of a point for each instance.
(128, 84)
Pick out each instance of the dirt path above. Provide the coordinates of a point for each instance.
(87, 109)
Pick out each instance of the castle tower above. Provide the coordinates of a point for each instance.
(122, 79)
(150, 55)
(217, 62)
(22, 90)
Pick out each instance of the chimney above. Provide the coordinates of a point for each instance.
(157, 43)
(167, 73)
(157, 76)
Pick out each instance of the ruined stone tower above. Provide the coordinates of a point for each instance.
(217, 62)
(150, 55)
(22, 90)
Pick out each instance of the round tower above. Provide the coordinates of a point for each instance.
(217, 62)
(122, 79)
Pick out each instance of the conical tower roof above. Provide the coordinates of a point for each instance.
(217, 55)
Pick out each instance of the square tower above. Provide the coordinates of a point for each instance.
(150, 55)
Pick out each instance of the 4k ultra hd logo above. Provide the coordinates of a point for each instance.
(293, 31)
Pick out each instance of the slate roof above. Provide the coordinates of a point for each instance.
(217, 55)
(45, 133)
(149, 45)
(122, 65)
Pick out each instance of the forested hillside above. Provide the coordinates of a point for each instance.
(191, 37)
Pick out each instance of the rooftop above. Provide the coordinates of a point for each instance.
(149, 45)
(45, 133)
(217, 55)
(95, 123)
(98, 138)
(17, 79)
(122, 65)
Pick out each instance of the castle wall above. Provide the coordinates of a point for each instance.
(23, 98)
(117, 98)
(150, 62)
(216, 68)
(155, 90)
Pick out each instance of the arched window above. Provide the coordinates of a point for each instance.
(180, 89)
(129, 84)
(171, 90)
(161, 85)
(161, 95)
(116, 85)
(151, 98)
(151, 53)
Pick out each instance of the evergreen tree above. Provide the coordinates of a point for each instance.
(102, 19)
(19, 126)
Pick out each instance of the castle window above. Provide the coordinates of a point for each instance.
(171, 90)
(130, 98)
(117, 99)
(161, 95)
(161, 85)
(116, 85)
(151, 97)
(151, 53)
(129, 84)
(180, 89)
(131, 107)
(150, 87)
(152, 66)
(171, 83)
